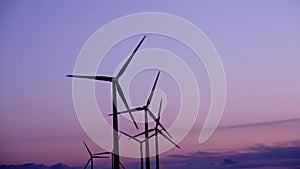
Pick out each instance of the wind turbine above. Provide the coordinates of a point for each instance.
(116, 87)
(111, 153)
(141, 147)
(92, 156)
(156, 132)
(147, 111)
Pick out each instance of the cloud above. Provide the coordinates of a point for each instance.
(38, 166)
(260, 124)
(258, 156)
(228, 161)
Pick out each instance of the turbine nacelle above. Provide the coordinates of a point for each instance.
(115, 79)
(145, 108)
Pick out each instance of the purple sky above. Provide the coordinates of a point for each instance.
(258, 43)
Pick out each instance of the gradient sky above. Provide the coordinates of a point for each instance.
(258, 43)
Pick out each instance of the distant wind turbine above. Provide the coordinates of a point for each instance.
(141, 147)
(156, 132)
(92, 156)
(116, 87)
(156, 136)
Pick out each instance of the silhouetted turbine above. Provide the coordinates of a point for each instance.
(141, 147)
(147, 111)
(92, 156)
(116, 88)
(156, 131)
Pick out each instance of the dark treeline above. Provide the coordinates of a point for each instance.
(38, 166)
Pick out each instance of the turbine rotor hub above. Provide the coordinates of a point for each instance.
(114, 79)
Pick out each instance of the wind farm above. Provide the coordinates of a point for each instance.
(147, 112)
(116, 88)
(228, 84)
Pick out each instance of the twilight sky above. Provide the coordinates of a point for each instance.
(258, 43)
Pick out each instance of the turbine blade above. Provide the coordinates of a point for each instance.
(102, 153)
(166, 137)
(102, 78)
(150, 130)
(129, 59)
(88, 149)
(121, 165)
(125, 103)
(139, 134)
(130, 110)
(151, 114)
(87, 163)
(130, 137)
(153, 117)
(153, 135)
(158, 116)
(100, 157)
(125, 134)
(152, 90)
